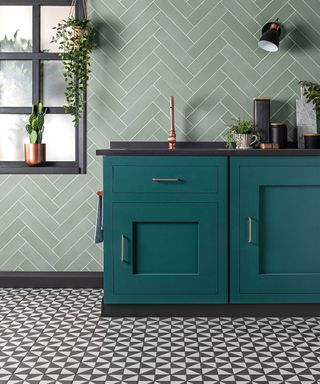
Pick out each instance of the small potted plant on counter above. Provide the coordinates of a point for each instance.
(35, 151)
(242, 133)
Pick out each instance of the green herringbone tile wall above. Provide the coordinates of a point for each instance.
(202, 51)
(205, 53)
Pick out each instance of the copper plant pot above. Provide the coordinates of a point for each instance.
(34, 154)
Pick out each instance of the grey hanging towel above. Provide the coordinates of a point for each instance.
(99, 226)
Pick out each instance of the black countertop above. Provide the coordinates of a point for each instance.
(144, 148)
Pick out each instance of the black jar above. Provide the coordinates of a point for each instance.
(279, 134)
(312, 140)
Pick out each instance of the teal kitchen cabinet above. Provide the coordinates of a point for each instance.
(274, 229)
(166, 230)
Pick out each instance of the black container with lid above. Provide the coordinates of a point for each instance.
(279, 134)
(312, 140)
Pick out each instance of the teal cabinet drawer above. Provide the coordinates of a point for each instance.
(155, 179)
(160, 175)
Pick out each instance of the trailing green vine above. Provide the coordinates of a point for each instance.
(76, 42)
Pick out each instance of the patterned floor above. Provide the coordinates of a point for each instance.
(57, 336)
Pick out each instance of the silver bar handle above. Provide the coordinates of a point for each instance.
(166, 180)
(249, 230)
(122, 248)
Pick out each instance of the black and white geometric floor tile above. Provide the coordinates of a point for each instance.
(57, 336)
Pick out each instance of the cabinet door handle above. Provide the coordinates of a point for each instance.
(249, 230)
(122, 248)
(166, 180)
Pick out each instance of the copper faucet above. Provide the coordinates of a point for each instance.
(172, 133)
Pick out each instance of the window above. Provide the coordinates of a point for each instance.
(31, 71)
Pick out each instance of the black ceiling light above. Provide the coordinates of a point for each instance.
(270, 38)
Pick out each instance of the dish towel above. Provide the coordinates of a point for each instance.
(99, 226)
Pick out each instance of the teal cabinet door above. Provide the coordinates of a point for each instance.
(274, 232)
(167, 253)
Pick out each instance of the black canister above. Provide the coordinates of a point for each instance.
(312, 140)
(279, 134)
(261, 118)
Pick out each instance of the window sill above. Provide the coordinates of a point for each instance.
(53, 168)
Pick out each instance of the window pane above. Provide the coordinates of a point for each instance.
(15, 83)
(50, 17)
(15, 28)
(12, 137)
(52, 83)
(59, 136)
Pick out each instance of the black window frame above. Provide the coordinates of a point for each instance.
(36, 56)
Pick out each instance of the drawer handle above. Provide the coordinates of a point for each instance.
(249, 230)
(122, 248)
(166, 180)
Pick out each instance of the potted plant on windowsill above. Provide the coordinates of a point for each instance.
(35, 151)
(242, 133)
(76, 42)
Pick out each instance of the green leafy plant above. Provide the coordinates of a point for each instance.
(312, 93)
(15, 44)
(76, 42)
(14, 73)
(35, 125)
(241, 126)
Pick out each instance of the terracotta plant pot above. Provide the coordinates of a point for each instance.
(34, 154)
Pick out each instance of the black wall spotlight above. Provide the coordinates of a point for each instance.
(270, 38)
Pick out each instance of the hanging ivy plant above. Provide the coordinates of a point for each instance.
(76, 42)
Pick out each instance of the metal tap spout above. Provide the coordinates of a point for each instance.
(172, 133)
